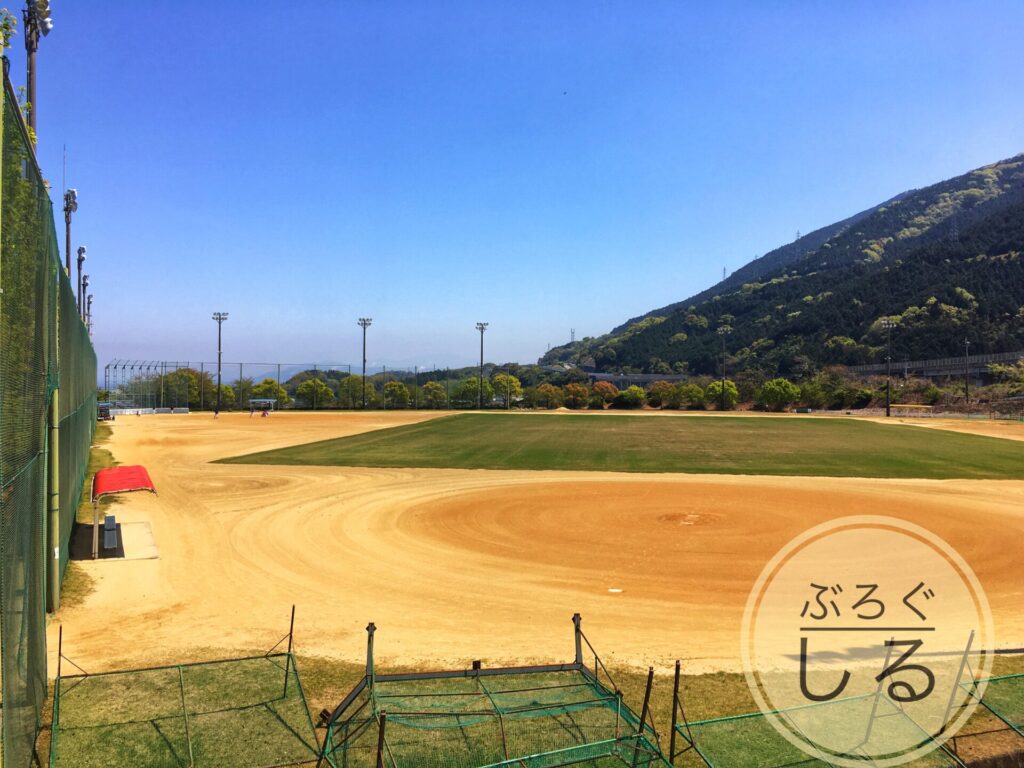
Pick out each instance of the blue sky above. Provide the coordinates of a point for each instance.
(540, 166)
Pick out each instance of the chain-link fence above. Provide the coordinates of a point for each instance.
(46, 353)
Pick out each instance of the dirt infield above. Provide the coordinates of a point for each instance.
(452, 564)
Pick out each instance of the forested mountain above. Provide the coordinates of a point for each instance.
(945, 263)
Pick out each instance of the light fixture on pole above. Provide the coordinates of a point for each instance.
(81, 260)
(70, 206)
(219, 317)
(37, 23)
(481, 327)
(723, 331)
(364, 323)
(88, 313)
(888, 324)
(967, 370)
(85, 292)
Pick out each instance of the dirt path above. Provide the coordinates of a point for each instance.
(454, 565)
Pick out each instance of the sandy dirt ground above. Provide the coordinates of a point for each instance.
(1006, 429)
(455, 565)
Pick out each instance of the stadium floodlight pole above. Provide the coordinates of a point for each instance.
(70, 206)
(888, 323)
(37, 22)
(723, 331)
(967, 370)
(364, 323)
(482, 327)
(81, 260)
(219, 317)
(88, 313)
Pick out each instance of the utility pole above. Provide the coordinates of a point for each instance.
(219, 317)
(70, 206)
(37, 22)
(482, 327)
(364, 323)
(888, 323)
(723, 331)
(967, 370)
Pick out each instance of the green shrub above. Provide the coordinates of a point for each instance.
(630, 397)
(690, 395)
(714, 394)
(812, 395)
(861, 398)
(777, 394)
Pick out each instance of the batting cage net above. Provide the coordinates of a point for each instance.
(993, 731)
(46, 359)
(528, 717)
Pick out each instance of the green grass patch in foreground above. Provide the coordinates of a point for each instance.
(325, 683)
(724, 445)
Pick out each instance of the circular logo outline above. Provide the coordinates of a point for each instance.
(904, 527)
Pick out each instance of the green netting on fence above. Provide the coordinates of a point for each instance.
(753, 742)
(45, 345)
(529, 719)
(26, 231)
(77, 412)
(238, 713)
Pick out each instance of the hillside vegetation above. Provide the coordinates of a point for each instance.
(943, 262)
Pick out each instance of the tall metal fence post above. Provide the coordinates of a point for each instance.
(184, 713)
(675, 711)
(288, 661)
(577, 633)
(643, 714)
(380, 739)
(370, 629)
(53, 481)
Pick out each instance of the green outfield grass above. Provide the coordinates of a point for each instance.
(727, 445)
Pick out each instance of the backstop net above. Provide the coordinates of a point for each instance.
(527, 717)
(44, 348)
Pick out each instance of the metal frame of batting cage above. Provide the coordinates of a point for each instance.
(644, 740)
(681, 726)
(290, 670)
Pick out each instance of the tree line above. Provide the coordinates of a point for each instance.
(532, 387)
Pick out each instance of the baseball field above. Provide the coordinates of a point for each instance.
(477, 536)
